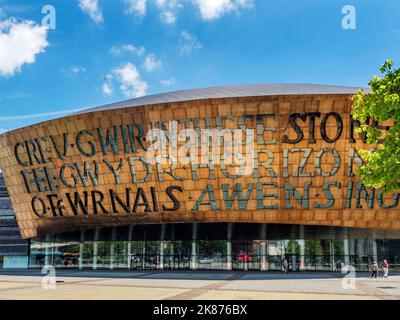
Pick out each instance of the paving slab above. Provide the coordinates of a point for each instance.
(162, 283)
(191, 276)
(191, 285)
(290, 276)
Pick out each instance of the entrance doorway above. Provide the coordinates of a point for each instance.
(137, 262)
(147, 262)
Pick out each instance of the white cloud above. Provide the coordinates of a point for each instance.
(213, 9)
(14, 95)
(168, 17)
(188, 43)
(151, 63)
(137, 7)
(168, 82)
(20, 42)
(169, 10)
(92, 8)
(76, 69)
(38, 115)
(107, 89)
(118, 50)
(130, 83)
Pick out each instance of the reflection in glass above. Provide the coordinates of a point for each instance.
(266, 255)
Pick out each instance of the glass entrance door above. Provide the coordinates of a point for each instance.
(152, 262)
(137, 262)
(182, 262)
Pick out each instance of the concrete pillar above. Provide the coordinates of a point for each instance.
(95, 248)
(129, 247)
(245, 259)
(293, 258)
(193, 258)
(374, 250)
(346, 250)
(144, 255)
(263, 252)
(161, 265)
(229, 247)
(112, 247)
(360, 248)
(81, 244)
(172, 255)
(162, 246)
(292, 249)
(47, 252)
(332, 255)
(129, 254)
(302, 245)
(294, 262)
(263, 248)
(111, 256)
(360, 254)
(229, 255)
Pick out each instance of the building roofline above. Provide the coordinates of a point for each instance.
(229, 91)
(218, 92)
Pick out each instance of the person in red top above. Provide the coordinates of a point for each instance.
(385, 267)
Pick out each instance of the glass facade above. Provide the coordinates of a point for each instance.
(13, 249)
(218, 246)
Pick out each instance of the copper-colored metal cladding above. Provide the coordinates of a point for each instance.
(305, 171)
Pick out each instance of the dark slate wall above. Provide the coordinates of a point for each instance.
(11, 243)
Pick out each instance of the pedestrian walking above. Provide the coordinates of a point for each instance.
(285, 265)
(385, 268)
(374, 269)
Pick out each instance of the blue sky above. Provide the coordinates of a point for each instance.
(102, 51)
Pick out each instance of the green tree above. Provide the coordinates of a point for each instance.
(381, 103)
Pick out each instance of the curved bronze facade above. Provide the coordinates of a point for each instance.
(92, 169)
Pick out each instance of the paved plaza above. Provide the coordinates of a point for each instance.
(180, 285)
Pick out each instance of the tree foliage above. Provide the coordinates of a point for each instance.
(380, 104)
